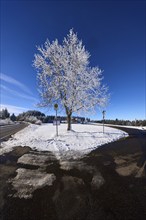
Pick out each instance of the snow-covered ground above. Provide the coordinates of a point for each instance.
(69, 144)
(6, 121)
(76, 143)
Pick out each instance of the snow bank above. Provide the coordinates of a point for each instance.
(6, 121)
(76, 143)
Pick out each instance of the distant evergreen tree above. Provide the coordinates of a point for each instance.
(4, 113)
(7, 114)
(13, 117)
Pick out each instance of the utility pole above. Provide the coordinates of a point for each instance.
(103, 113)
(56, 108)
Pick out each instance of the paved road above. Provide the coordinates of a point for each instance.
(130, 131)
(135, 142)
(7, 130)
(105, 184)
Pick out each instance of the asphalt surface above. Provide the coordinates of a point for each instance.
(109, 183)
(7, 130)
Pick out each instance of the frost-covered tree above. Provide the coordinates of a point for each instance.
(65, 77)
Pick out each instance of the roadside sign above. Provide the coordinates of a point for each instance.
(103, 113)
(56, 106)
(56, 122)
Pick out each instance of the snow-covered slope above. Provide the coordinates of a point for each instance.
(76, 143)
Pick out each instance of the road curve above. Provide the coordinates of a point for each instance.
(135, 140)
(7, 130)
(130, 131)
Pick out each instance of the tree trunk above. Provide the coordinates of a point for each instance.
(69, 122)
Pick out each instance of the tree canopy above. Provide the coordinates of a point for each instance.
(65, 77)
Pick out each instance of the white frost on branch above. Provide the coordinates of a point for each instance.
(65, 77)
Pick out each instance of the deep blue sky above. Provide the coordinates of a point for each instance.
(112, 31)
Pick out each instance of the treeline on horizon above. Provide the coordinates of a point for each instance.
(123, 122)
(33, 116)
(46, 119)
